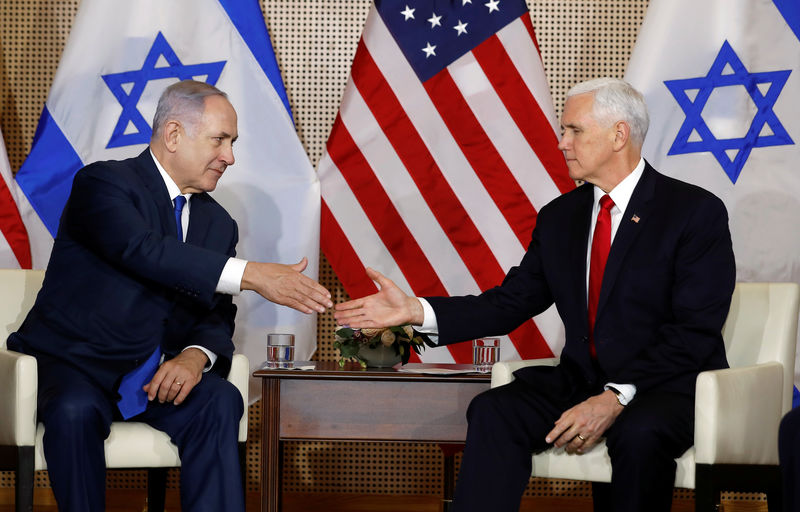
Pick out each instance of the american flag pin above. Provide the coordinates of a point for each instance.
(635, 218)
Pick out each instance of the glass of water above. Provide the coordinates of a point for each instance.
(485, 352)
(280, 350)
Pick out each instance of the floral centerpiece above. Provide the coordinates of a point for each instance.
(354, 344)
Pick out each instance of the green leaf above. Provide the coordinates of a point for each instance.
(345, 332)
(349, 350)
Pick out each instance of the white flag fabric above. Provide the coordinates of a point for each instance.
(118, 59)
(444, 149)
(24, 241)
(722, 81)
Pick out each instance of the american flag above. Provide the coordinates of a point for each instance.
(15, 248)
(444, 149)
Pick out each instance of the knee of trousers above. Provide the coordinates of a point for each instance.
(225, 402)
(490, 408)
(636, 439)
(76, 416)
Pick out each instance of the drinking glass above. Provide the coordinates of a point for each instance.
(485, 352)
(280, 350)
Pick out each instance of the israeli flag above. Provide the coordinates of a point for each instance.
(722, 81)
(118, 59)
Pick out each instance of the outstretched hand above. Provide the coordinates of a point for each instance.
(286, 285)
(387, 308)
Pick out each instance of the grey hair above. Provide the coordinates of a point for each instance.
(183, 101)
(616, 100)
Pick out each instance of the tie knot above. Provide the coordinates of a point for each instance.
(606, 202)
(180, 201)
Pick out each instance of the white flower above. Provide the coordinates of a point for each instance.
(370, 332)
(387, 338)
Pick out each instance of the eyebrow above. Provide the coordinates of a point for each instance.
(226, 135)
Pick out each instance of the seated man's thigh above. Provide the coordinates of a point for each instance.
(517, 409)
(654, 423)
(213, 404)
(69, 399)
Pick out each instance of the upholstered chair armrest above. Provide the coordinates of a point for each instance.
(18, 389)
(503, 372)
(239, 376)
(737, 413)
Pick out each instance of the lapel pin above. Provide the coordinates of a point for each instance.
(635, 218)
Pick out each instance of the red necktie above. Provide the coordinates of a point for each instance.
(601, 243)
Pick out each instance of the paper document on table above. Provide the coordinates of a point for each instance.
(437, 369)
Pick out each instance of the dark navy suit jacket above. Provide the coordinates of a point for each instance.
(665, 295)
(119, 283)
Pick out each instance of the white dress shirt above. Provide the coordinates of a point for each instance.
(230, 280)
(621, 195)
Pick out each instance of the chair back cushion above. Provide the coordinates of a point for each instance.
(18, 290)
(762, 327)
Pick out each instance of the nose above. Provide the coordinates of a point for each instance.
(562, 144)
(227, 155)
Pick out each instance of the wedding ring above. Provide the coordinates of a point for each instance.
(181, 384)
(581, 438)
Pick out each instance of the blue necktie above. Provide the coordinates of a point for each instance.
(133, 399)
(179, 202)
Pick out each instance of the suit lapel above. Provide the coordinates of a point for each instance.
(629, 229)
(199, 220)
(579, 226)
(158, 191)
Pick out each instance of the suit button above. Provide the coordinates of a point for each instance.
(585, 339)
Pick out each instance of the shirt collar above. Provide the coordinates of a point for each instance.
(172, 188)
(621, 194)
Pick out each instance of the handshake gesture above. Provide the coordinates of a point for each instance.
(389, 306)
(286, 285)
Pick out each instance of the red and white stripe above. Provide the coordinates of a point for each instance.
(24, 241)
(15, 249)
(437, 185)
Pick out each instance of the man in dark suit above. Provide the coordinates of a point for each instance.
(639, 327)
(125, 290)
(789, 452)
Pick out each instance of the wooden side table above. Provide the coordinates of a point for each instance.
(392, 406)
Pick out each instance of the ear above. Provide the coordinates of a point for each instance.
(171, 135)
(622, 133)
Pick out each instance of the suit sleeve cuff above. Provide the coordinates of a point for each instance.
(230, 280)
(429, 325)
(212, 357)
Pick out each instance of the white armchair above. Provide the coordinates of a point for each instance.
(737, 410)
(130, 444)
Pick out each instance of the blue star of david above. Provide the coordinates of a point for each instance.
(694, 110)
(139, 79)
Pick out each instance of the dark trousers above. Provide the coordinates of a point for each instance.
(509, 423)
(77, 416)
(789, 453)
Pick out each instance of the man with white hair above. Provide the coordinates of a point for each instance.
(641, 269)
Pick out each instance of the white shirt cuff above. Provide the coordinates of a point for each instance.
(429, 325)
(212, 357)
(628, 391)
(230, 281)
